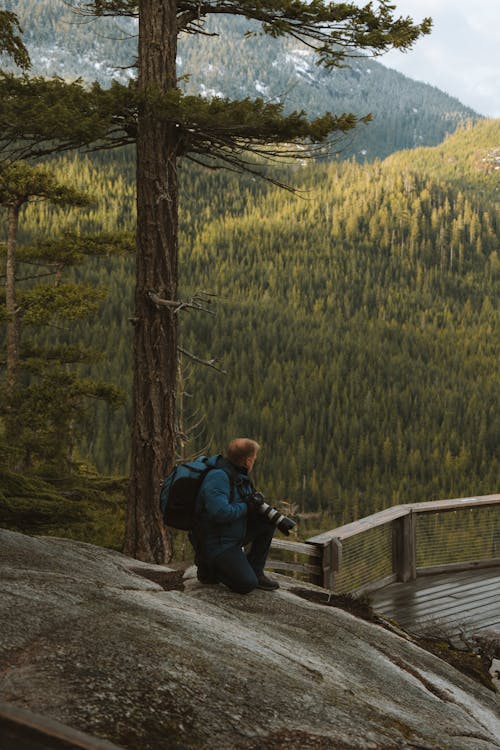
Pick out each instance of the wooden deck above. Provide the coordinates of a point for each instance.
(468, 600)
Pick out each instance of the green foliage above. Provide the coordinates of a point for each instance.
(72, 249)
(45, 404)
(43, 116)
(405, 113)
(219, 132)
(50, 410)
(21, 183)
(333, 29)
(470, 159)
(32, 507)
(86, 508)
(37, 356)
(111, 7)
(45, 302)
(219, 122)
(40, 116)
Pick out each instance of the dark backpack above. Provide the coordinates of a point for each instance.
(180, 490)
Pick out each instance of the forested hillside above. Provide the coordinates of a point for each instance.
(357, 322)
(229, 64)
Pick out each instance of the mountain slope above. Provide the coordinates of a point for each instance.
(358, 323)
(406, 113)
(470, 159)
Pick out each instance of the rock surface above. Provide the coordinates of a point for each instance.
(88, 642)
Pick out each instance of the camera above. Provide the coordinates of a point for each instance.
(283, 523)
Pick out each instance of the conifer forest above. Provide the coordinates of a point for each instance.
(349, 324)
(355, 329)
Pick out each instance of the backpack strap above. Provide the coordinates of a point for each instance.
(235, 480)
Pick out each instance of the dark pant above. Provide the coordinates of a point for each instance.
(239, 571)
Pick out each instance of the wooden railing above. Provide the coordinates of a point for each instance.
(309, 568)
(398, 544)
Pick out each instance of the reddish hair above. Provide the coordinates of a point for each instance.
(241, 448)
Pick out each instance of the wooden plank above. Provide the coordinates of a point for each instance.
(295, 567)
(479, 613)
(327, 573)
(492, 562)
(465, 611)
(445, 604)
(465, 620)
(364, 524)
(485, 621)
(456, 581)
(375, 585)
(404, 536)
(456, 504)
(311, 550)
(463, 598)
(401, 596)
(464, 581)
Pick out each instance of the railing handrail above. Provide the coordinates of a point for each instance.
(398, 511)
(301, 548)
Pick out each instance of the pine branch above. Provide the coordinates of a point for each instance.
(41, 116)
(335, 30)
(10, 42)
(36, 276)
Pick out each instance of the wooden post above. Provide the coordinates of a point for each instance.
(331, 562)
(404, 547)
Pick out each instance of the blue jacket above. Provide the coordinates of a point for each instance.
(222, 514)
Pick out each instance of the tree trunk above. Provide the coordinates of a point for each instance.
(10, 302)
(155, 344)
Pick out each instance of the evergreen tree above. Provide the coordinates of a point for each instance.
(41, 408)
(21, 184)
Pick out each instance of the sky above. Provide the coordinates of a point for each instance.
(462, 54)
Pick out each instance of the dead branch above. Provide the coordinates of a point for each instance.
(207, 362)
(198, 301)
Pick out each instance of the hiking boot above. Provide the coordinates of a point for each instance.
(205, 576)
(267, 584)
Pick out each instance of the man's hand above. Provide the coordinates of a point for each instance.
(257, 499)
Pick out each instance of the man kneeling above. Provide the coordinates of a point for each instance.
(227, 520)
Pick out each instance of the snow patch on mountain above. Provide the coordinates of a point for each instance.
(208, 93)
(54, 60)
(261, 88)
(302, 61)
